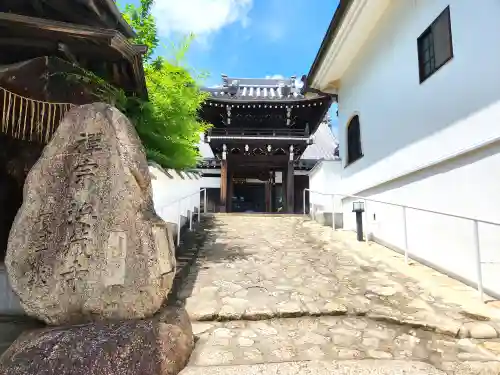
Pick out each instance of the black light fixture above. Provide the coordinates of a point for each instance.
(358, 208)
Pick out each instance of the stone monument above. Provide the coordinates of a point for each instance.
(86, 244)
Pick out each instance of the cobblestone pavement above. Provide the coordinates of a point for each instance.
(332, 338)
(270, 289)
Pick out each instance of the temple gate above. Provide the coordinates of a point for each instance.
(261, 127)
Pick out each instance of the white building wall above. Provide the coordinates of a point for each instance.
(434, 145)
(210, 182)
(9, 302)
(324, 179)
(175, 193)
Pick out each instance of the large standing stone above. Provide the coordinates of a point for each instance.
(86, 243)
(158, 346)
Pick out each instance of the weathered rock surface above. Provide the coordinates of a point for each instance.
(11, 327)
(86, 243)
(156, 346)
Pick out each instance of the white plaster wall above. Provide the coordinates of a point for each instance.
(324, 178)
(9, 302)
(210, 182)
(174, 193)
(419, 139)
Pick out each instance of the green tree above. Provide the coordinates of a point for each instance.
(168, 122)
(144, 24)
(169, 125)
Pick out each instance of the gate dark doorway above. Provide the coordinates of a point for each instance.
(249, 197)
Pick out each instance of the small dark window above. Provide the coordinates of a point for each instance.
(353, 140)
(435, 47)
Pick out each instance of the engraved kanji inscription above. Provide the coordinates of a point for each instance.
(90, 142)
(165, 262)
(41, 237)
(85, 168)
(116, 254)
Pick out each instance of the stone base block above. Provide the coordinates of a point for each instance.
(11, 327)
(161, 345)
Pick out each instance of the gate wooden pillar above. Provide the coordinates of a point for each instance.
(283, 189)
(223, 186)
(224, 179)
(268, 187)
(230, 189)
(272, 190)
(290, 189)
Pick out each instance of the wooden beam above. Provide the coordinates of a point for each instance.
(290, 189)
(16, 20)
(268, 195)
(65, 30)
(52, 46)
(223, 186)
(281, 159)
(64, 49)
(230, 189)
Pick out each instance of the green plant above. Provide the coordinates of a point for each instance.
(168, 122)
(144, 24)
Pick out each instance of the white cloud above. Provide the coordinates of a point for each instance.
(201, 17)
(275, 76)
(273, 31)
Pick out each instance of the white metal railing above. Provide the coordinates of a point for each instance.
(475, 223)
(179, 202)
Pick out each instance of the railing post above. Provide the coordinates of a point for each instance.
(366, 221)
(478, 260)
(179, 222)
(405, 234)
(205, 200)
(333, 211)
(191, 209)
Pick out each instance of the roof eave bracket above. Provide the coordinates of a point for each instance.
(307, 89)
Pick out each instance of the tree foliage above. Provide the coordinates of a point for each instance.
(168, 122)
(144, 24)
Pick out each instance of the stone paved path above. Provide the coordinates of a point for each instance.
(271, 289)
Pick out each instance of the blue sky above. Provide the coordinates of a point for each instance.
(246, 38)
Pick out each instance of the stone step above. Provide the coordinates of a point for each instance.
(329, 338)
(4, 347)
(358, 367)
(11, 327)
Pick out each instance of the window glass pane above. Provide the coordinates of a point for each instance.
(427, 69)
(353, 140)
(425, 42)
(442, 38)
(426, 55)
(433, 63)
